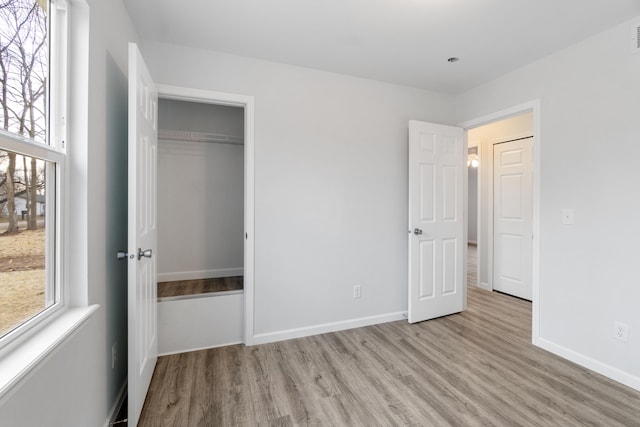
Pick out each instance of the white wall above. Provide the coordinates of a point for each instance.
(330, 182)
(511, 128)
(589, 133)
(201, 197)
(76, 386)
(199, 117)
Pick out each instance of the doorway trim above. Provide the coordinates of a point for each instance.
(531, 106)
(478, 146)
(247, 103)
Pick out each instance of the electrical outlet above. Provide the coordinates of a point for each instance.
(114, 354)
(356, 291)
(621, 331)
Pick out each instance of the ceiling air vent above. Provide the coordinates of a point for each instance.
(635, 37)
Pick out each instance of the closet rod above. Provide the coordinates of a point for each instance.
(189, 136)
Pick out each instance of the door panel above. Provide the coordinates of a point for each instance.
(436, 256)
(513, 217)
(449, 266)
(511, 206)
(142, 224)
(449, 193)
(427, 193)
(427, 269)
(512, 265)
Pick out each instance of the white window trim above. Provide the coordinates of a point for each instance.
(22, 146)
(51, 151)
(22, 354)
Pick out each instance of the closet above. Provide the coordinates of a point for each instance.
(200, 225)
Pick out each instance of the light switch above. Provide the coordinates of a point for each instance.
(567, 216)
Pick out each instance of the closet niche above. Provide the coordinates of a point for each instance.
(200, 219)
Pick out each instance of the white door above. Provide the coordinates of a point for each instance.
(142, 287)
(513, 217)
(437, 160)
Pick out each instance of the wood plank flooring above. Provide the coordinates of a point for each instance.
(200, 286)
(475, 368)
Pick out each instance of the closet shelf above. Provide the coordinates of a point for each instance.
(188, 136)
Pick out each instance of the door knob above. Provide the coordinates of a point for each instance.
(417, 231)
(146, 254)
(120, 255)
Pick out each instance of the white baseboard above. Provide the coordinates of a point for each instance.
(485, 286)
(117, 404)
(200, 274)
(327, 327)
(596, 366)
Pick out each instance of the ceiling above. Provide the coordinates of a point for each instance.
(405, 42)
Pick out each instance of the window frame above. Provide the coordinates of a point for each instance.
(53, 152)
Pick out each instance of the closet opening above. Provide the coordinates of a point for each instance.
(200, 198)
(201, 224)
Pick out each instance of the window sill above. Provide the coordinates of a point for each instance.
(24, 358)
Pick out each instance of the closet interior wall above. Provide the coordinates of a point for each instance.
(200, 190)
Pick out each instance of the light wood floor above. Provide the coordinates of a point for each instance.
(475, 368)
(199, 286)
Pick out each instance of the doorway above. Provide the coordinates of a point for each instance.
(206, 199)
(200, 224)
(201, 198)
(510, 124)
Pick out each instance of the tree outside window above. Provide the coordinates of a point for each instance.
(24, 76)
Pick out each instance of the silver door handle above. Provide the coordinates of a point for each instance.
(417, 231)
(146, 254)
(120, 255)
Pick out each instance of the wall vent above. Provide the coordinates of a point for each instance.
(635, 37)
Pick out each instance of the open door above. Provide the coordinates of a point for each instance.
(436, 225)
(142, 223)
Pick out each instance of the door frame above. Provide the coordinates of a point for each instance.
(534, 107)
(247, 103)
(478, 145)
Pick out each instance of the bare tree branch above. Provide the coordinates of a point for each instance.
(23, 80)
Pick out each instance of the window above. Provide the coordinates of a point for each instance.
(32, 160)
